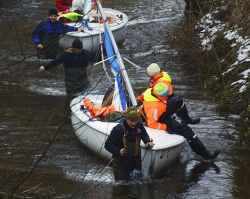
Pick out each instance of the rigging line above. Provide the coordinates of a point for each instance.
(104, 60)
(96, 84)
(91, 70)
(96, 57)
(110, 97)
(142, 113)
(144, 154)
(131, 62)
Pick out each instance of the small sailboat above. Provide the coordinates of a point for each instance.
(92, 28)
(93, 133)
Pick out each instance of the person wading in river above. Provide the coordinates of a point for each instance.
(124, 144)
(159, 111)
(156, 76)
(47, 33)
(75, 61)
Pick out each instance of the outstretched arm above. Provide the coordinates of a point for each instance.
(55, 62)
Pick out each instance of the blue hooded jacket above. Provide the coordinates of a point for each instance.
(56, 28)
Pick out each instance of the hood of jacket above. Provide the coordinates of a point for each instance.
(69, 49)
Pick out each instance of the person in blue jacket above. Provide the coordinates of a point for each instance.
(75, 61)
(47, 33)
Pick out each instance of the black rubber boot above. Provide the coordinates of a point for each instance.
(209, 155)
(198, 147)
(190, 120)
(185, 119)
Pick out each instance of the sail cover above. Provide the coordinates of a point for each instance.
(119, 97)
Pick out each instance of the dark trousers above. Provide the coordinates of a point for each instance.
(50, 47)
(76, 80)
(123, 168)
(173, 105)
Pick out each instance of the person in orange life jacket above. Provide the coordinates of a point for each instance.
(75, 61)
(156, 75)
(124, 144)
(63, 5)
(46, 35)
(159, 113)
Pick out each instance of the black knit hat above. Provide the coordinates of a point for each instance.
(77, 44)
(52, 11)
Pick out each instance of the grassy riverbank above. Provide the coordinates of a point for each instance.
(215, 45)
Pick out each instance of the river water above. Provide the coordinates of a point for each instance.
(41, 157)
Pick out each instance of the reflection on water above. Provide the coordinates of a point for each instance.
(39, 152)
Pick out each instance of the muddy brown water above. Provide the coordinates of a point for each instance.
(41, 157)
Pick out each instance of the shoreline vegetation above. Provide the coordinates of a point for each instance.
(213, 42)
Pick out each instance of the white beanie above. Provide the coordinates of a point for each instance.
(153, 69)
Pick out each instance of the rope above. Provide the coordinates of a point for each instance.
(142, 113)
(127, 161)
(144, 154)
(108, 99)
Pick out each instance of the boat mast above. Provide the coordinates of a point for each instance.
(87, 7)
(118, 55)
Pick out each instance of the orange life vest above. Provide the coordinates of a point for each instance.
(161, 76)
(99, 112)
(102, 21)
(153, 107)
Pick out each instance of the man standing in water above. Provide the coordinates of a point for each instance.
(75, 61)
(47, 33)
(124, 143)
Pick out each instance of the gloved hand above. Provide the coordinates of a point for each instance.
(139, 103)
